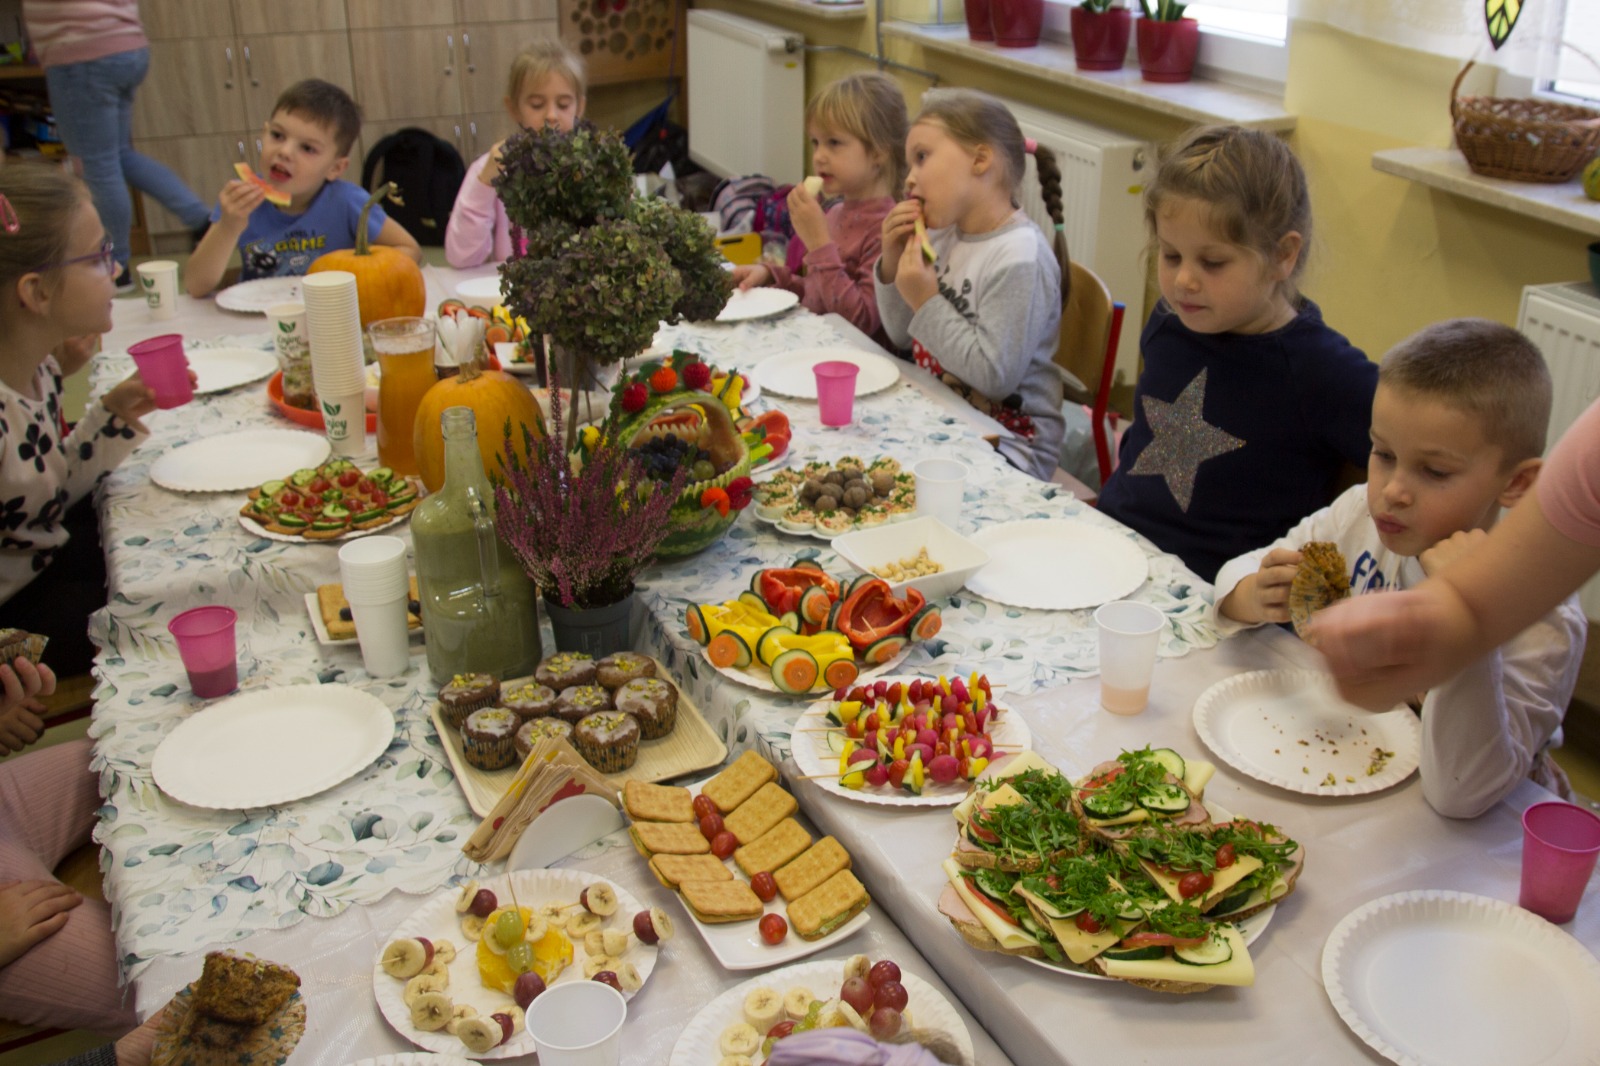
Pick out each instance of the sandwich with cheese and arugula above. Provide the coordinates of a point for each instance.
(1018, 819)
(1228, 871)
(1138, 788)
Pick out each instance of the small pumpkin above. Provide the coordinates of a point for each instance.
(388, 283)
(494, 398)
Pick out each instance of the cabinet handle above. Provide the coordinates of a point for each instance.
(228, 84)
(450, 54)
(472, 133)
(242, 157)
(251, 74)
(258, 148)
(458, 136)
(466, 52)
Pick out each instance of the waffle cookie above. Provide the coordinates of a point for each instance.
(668, 838)
(739, 781)
(812, 867)
(335, 609)
(674, 870)
(657, 803)
(772, 849)
(828, 906)
(719, 902)
(766, 808)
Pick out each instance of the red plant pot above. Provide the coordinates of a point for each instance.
(1016, 22)
(978, 28)
(1167, 50)
(1100, 38)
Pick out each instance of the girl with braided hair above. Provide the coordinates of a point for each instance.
(984, 313)
(1248, 404)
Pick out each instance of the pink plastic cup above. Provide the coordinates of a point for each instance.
(165, 369)
(1560, 842)
(206, 643)
(836, 391)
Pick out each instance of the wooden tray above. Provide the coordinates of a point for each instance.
(691, 746)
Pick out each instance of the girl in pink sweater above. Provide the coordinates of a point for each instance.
(857, 128)
(547, 88)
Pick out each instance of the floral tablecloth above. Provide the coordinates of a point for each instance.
(180, 878)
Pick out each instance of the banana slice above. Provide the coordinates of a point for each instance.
(813, 185)
(462, 1012)
(516, 1017)
(404, 958)
(594, 942)
(595, 963)
(857, 966)
(554, 912)
(616, 941)
(439, 968)
(740, 1038)
(601, 899)
(432, 1011)
(582, 924)
(421, 985)
(464, 900)
(662, 923)
(479, 1034)
(536, 928)
(850, 1016)
(444, 951)
(796, 1002)
(763, 1007)
(472, 927)
(628, 976)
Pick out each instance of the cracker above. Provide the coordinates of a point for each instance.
(739, 781)
(769, 806)
(716, 902)
(673, 870)
(828, 906)
(773, 848)
(669, 838)
(815, 865)
(657, 803)
(330, 601)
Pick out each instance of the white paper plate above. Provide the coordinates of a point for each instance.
(254, 297)
(485, 289)
(738, 945)
(238, 462)
(414, 1058)
(1434, 978)
(789, 373)
(250, 750)
(1056, 564)
(757, 303)
(700, 1042)
(437, 920)
(221, 369)
(813, 756)
(1289, 728)
(255, 528)
(758, 675)
(320, 628)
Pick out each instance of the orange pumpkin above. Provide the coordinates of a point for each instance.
(494, 397)
(388, 283)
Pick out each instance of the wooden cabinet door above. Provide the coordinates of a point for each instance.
(506, 10)
(273, 63)
(393, 14)
(195, 87)
(166, 20)
(449, 127)
(288, 16)
(204, 163)
(487, 51)
(481, 130)
(403, 73)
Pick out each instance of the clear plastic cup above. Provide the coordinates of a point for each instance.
(1560, 842)
(1130, 633)
(836, 391)
(205, 637)
(940, 484)
(577, 1024)
(163, 366)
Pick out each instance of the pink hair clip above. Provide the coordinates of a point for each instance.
(8, 216)
(1030, 145)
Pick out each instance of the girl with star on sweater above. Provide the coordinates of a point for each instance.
(1249, 404)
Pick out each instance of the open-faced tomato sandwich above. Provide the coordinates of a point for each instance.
(1230, 870)
(1140, 788)
(1018, 818)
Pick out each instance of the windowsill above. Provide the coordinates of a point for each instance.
(1445, 168)
(821, 11)
(1199, 100)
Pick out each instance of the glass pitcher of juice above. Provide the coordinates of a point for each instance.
(479, 610)
(404, 347)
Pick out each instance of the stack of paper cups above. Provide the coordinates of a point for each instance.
(333, 326)
(373, 570)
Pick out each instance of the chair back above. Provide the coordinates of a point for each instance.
(1085, 329)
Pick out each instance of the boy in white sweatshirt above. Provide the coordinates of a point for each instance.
(1458, 426)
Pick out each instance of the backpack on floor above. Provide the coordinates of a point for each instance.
(429, 172)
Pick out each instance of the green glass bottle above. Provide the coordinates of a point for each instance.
(479, 610)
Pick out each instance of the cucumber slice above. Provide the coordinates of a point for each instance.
(1031, 924)
(263, 505)
(881, 651)
(833, 615)
(815, 605)
(301, 478)
(695, 619)
(327, 527)
(925, 624)
(271, 488)
(333, 510)
(994, 884)
(1229, 904)
(790, 621)
(1171, 760)
(1102, 805)
(1052, 911)
(750, 599)
(292, 521)
(807, 564)
(1154, 951)
(1215, 950)
(400, 500)
(368, 516)
(1131, 912)
(795, 672)
(381, 475)
(836, 742)
(728, 649)
(858, 581)
(1165, 797)
(770, 644)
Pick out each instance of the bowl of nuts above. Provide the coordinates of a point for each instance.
(922, 553)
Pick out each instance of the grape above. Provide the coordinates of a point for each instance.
(483, 903)
(520, 957)
(703, 470)
(508, 929)
(858, 994)
(885, 1023)
(881, 972)
(529, 987)
(891, 994)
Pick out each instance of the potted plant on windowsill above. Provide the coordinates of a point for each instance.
(1168, 42)
(1016, 23)
(1100, 32)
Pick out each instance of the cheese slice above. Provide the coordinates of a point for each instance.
(1004, 796)
(1021, 763)
(1222, 880)
(1239, 970)
(1080, 946)
(1138, 814)
(1197, 774)
(1010, 937)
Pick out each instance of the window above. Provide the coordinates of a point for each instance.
(1264, 19)
(1243, 40)
(1578, 67)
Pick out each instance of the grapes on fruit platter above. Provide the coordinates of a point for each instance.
(868, 998)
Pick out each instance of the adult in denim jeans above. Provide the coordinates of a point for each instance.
(95, 55)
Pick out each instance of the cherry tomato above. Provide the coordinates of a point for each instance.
(318, 486)
(773, 928)
(894, 692)
(703, 806)
(366, 486)
(855, 729)
(781, 1030)
(379, 498)
(711, 825)
(764, 886)
(1194, 883)
(724, 844)
(870, 721)
(1225, 856)
(897, 772)
(349, 479)
(1086, 922)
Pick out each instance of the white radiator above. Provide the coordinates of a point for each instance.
(1564, 321)
(747, 87)
(1102, 187)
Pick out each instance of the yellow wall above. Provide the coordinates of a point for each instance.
(1389, 256)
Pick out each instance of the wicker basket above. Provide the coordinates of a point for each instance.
(1523, 139)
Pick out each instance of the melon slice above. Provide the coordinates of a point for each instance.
(927, 248)
(273, 194)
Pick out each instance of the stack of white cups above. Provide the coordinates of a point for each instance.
(373, 570)
(338, 369)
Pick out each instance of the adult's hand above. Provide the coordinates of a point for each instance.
(30, 912)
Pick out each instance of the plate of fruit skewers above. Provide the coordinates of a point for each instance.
(906, 741)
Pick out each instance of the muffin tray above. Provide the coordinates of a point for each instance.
(691, 746)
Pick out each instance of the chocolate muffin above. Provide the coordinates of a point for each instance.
(653, 701)
(579, 701)
(529, 701)
(617, 670)
(466, 693)
(566, 669)
(609, 740)
(536, 729)
(488, 738)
